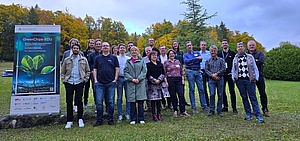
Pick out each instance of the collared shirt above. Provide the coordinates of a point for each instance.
(75, 77)
(173, 69)
(106, 68)
(216, 65)
(163, 59)
(122, 62)
(190, 60)
(205, 56)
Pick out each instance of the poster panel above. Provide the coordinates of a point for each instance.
(36, 64)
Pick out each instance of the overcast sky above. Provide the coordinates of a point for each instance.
(269, 21)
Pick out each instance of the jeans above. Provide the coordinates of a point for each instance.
(261, 86)
(107, 92)
(192, 77)
(122, 83)
(137, 115)
(213, 84)
(247, 90)
(231, 91)
(205, 80)
(176, 86)
(70, 88)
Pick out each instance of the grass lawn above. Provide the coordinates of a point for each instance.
(284, 123)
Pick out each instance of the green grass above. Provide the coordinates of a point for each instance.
(284, 123)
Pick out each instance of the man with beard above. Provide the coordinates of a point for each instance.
(151, 44)
(228, 56)
(75, 73)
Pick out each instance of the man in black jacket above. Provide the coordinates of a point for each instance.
(228, 56)
(259, 60)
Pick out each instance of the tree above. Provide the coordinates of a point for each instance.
(282, 63)
(32, 17)
(197, 16)
(7, 37)
(90, 23)
(222, 31)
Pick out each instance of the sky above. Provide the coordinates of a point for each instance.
(269, 21)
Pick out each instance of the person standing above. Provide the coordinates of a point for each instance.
(75, 72)
(135, 74)
(151, 44)
(69, 53)
(214, 68)
(91, 59)
(106, 72)
(115, 50)
(129, 45)
(90, 49)
(122, 84)
(146, 60)
(205, 56)
(192, 61)
(261, 86)
(245, 74)
(155, 76)
(228, 56)
(164, 57)
(175, 80)
(179, 56)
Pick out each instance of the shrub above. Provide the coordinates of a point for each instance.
(283, 63)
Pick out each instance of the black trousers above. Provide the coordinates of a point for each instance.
(86, 90)
(205, 81)
(227, 78)
(261, 86)
(70, 89)
(176, 86)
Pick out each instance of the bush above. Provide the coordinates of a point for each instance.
(283, 63)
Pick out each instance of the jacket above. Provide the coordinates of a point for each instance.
(136, 70)
(83, 65)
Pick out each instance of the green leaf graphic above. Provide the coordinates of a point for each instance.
(47, 69)
(38, 61)
(27, 62)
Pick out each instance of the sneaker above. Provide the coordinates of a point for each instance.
(127, 117)
(96, 111)
(85, 106)
(98, 123)
(163, 107)
(132, 122)
(120, 118)
(80, 123)
(170, 107)
(75, 108)
(175, 114)
(110, 122)
(195, 111)
(225, 109)
(248, 117)
(185, 114)
(220, 114)
(206, 109)
(69, 125)
(210, 113)
(142, 122)
(260, 119)
(159, 118)
(266, 114)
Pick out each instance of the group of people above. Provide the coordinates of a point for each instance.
(157, 77)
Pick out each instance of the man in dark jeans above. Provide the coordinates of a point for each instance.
(259, 60)
(228, 56)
